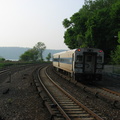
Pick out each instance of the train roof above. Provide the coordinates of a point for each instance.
(72, 51)
(65, 52)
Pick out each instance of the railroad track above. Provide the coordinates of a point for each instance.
(4, 71)
(61, 104)
(112, 92)
(7, 72)
(105, 94)
(108, 92)
(13, 69)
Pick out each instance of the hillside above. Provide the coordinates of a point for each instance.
(13, 53)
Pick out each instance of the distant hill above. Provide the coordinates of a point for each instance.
(13, 53)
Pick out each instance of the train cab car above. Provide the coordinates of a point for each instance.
(82, 63)
(89, 63)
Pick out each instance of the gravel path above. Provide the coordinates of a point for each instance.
(19, 99)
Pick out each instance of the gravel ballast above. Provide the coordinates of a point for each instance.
(19, 99)
(106, 110)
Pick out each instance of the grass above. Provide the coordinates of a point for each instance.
(4, 64)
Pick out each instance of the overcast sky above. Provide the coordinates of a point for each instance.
(23, 23)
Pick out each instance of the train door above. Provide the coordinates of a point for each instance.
(59, 61)
(89, 62)
(73, 62)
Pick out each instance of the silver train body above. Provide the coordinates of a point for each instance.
(81, 64)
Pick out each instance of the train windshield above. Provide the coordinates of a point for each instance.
(79, 58)
(99, 59)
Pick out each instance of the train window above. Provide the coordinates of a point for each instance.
(79, 58)
(55, 59)
(99, 59)
(89, 58)
(61, 60)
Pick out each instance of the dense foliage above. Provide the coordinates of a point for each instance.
(29, 55)
(34, 54)
(115, 55)
(95, 25)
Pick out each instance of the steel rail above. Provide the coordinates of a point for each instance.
(88, 113)
(110, 91)
(62, 111)
(80, 104)
(98, 91)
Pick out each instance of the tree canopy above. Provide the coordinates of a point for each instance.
(34, 54)
(29, 55)
(94, 25)
(40, 47)
(115, 55)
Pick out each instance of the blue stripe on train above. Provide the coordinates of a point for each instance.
(63, 60)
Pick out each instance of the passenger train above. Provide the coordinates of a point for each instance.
(81, 63)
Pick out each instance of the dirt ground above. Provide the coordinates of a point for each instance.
(19, 99)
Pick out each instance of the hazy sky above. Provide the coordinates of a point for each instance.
(23, 23)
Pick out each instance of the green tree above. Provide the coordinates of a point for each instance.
(115, 55)
(48, 57)
(94, 25)
(2, 59)
(30, 55)
(34, 54)
(40, 47)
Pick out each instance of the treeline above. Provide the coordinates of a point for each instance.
(95, 25)
(35, 54)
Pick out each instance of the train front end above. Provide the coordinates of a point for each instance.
(88, 64)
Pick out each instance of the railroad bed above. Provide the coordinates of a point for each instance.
(70, 110)
(97, 90)
(95, 102)
(65, 106)
(19, 99)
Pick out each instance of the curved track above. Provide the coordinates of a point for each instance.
(108, 95)
(60, 103)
